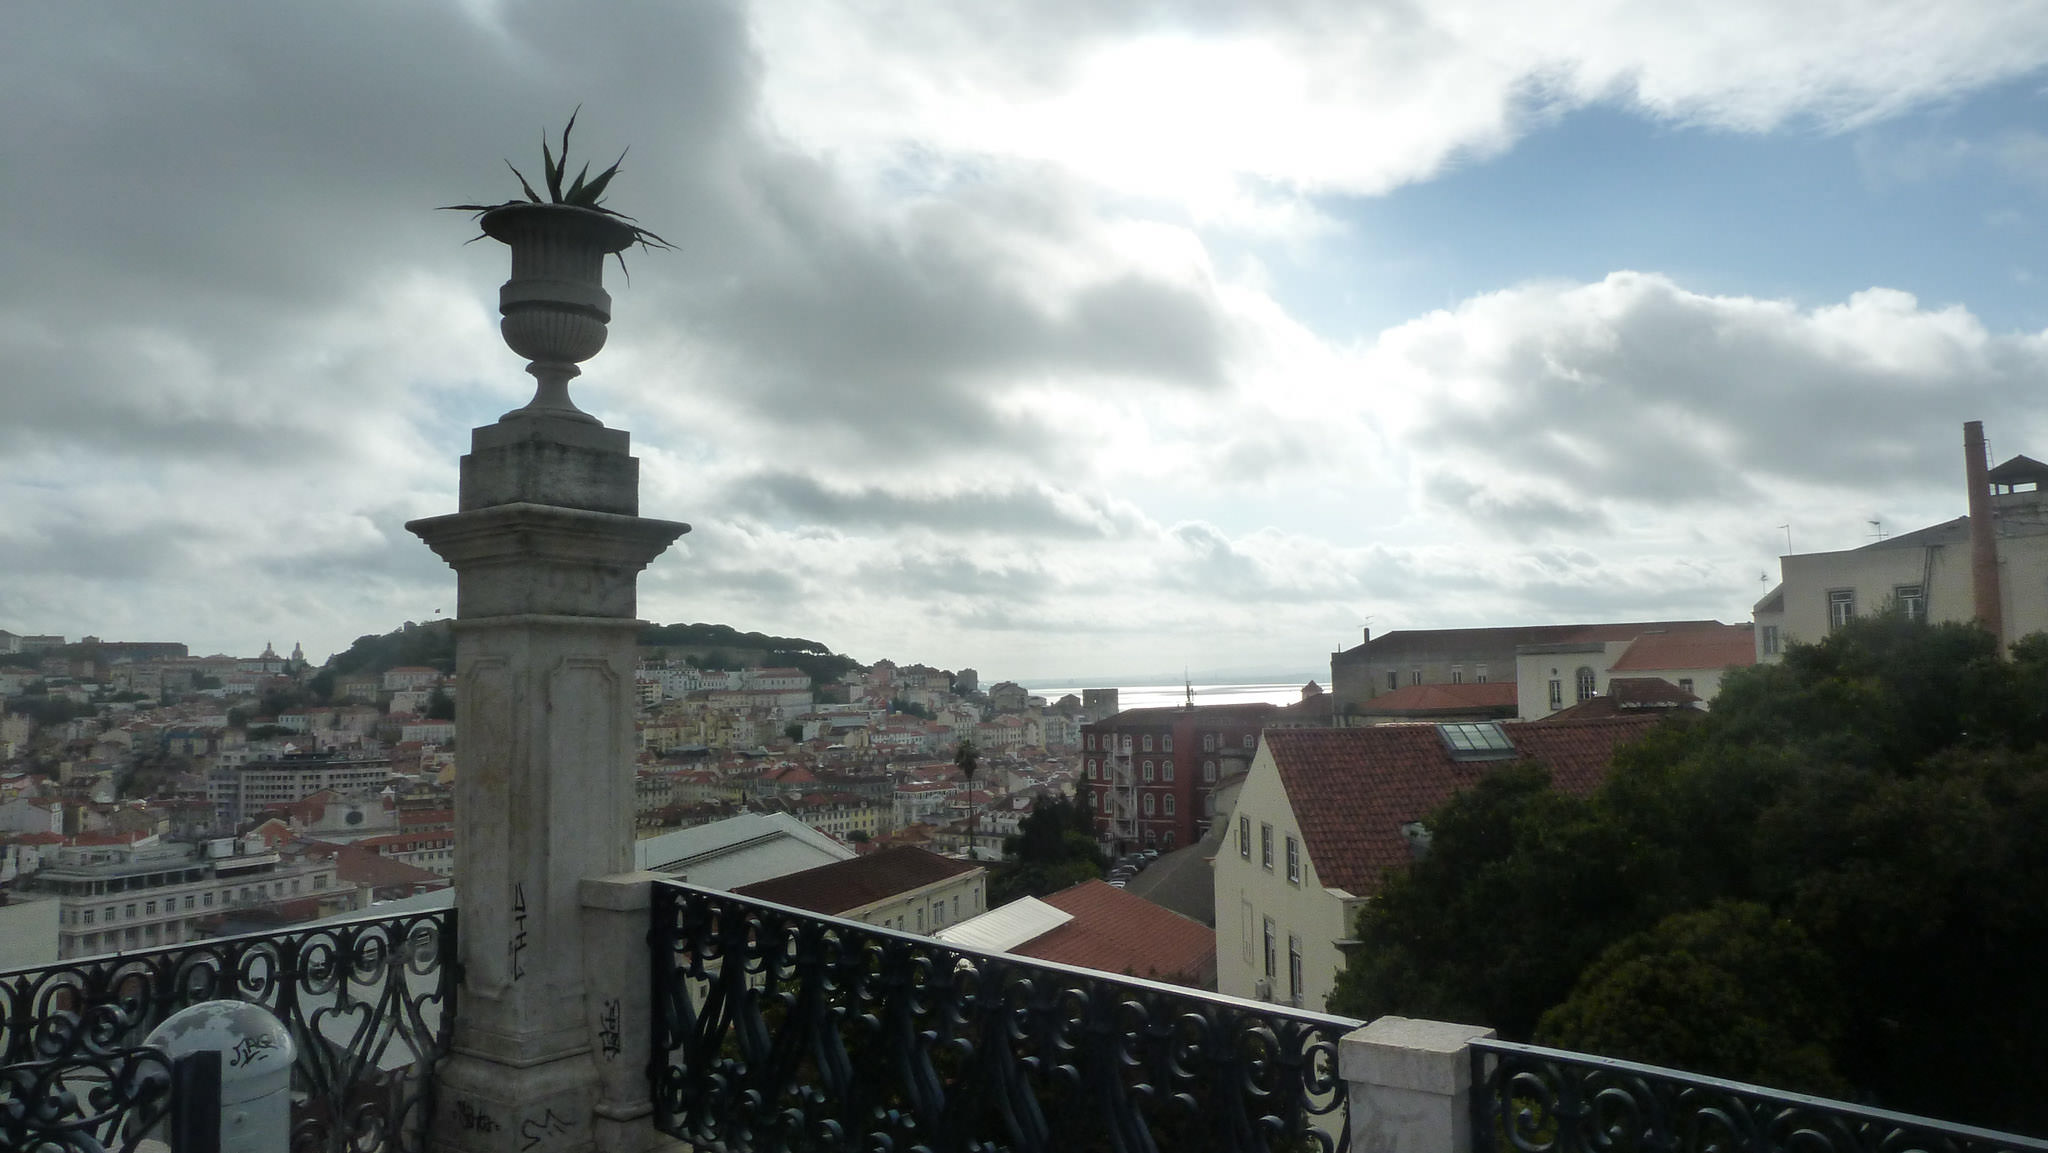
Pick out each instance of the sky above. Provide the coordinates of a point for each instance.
(1051, 338)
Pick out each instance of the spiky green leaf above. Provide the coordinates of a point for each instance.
(523, 185)
(575, 195)
(597, 186)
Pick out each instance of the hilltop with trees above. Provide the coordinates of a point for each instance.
(1837, 881)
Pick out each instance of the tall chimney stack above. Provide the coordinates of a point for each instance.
(1983, 534)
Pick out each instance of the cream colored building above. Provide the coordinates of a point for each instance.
(1324, 814)
(1925, 574)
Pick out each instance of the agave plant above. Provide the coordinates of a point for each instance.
(583, 192)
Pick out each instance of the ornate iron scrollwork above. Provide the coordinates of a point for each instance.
(370, 1004)
(1527, 1099)
(777, 1029)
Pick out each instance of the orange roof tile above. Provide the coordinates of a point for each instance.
(1353, 789)
(1119, 932)
(1703, 649)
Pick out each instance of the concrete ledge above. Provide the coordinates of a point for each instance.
(1406, 1053)
(620, 892)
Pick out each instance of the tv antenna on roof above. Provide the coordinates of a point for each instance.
(1877, 527)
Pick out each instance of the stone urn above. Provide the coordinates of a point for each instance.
(555, 307)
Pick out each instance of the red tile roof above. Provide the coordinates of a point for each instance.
(1119, 932)
(849, 884)
(1704, 649)
(1445, 698)
(1353, 789)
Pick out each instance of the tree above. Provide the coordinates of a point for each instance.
(793, 731)
(968, 759)
(1836, 879)
(440, 706)
(1732, 991)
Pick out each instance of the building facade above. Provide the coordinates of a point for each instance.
(1148, 775)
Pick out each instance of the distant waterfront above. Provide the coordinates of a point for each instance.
(1169, 696)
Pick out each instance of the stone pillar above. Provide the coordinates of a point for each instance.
(547, 548)
(1411, 1085)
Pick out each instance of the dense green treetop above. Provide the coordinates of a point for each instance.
(1836, 880)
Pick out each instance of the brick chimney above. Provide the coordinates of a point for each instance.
(1983, 534)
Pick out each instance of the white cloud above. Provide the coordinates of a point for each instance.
(1220, 108)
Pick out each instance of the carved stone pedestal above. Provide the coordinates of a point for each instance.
(547, 549)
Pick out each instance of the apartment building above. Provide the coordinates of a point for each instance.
(1147, 775)
(150, 892)
(239, 791)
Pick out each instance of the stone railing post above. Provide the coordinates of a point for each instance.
(618, 958)
(1411, 1085)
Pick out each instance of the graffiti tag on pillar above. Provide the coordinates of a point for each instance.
(474, 1118)
(517, 945)
(610, 1037)
(541, 1128)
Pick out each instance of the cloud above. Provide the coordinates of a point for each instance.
(1203, 105)
(1571, 408)
(955, 360)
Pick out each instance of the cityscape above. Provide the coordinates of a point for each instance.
(1452, 578)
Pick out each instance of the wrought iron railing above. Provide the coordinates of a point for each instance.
(777, 1029)
(369, 1004)
(1534, 1100)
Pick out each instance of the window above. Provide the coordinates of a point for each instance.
(1556, 694)
(1208, 742)
(1208, 770)
(1457, 674)
(1294, 969)
(149, 908)
(1393, 680)
(1166, 743)
(1091, 798)
(1148, 742)
(1166, 769)
(1269, 948)
(1250, 740)
(128, 911)
(1685, 683)
(1480, 674)
(110, 914)
(1912, 602)
(920, 920)
(1415, 675)
(87, 916)
(1148, 770)
(1148, 804)
(1168, 840)
(1093, 772)
(1841, 607)
(1244, 837)
(938, 914)
(1770, 640)
(1588, 683)
(1293, 859)
(188, 900)
(206, 899)
(1090, 739)
(1266, 846)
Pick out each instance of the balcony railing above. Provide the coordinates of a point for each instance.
(1527, 1099)
(777, 1029)
(369, 1003)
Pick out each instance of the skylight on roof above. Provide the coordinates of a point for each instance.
(1476, 741)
